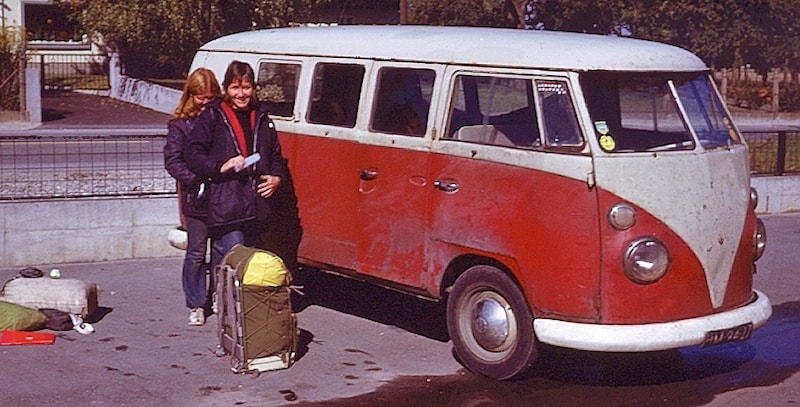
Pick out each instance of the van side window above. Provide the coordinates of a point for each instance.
(493, 110)
(403, 99)
(335, 94)
(558, 114)
(276, 84)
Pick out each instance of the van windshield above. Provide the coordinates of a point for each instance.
(634, 112)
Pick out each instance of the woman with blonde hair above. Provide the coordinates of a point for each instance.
(201, 87)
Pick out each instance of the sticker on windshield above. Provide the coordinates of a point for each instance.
(601, 127)
(606, 141)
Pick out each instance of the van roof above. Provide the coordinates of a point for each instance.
(465, 45)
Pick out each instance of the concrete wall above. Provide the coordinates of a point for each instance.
(86, 230)
(777, 194)
(33, 95)
(156, 97)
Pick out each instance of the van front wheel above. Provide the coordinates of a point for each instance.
(490, 324)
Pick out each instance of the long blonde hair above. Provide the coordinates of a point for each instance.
(199, 82)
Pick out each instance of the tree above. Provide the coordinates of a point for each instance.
(482, 13)
(781, 34)
(11, 54)
(157, 38)
(597, 17)
(762, 33)
(713, 29)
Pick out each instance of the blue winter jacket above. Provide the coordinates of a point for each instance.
(232, 196)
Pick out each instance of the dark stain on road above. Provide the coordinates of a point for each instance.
(685, 377)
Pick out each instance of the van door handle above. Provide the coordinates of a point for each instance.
(446, 186)
(368, 174)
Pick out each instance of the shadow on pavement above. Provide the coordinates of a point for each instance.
(70, 109)
(684, 377)
(415, 315)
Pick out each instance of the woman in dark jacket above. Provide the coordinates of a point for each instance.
(228, 135)
(200, 88)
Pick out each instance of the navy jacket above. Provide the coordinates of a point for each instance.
(188, 182)
(232, 196)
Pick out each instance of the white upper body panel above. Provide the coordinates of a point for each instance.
(466, 46)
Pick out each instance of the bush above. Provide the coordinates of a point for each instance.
(789, 100)
(9, 70)
(749, 95)
(758, 96)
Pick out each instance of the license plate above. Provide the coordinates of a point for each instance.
(737, 333)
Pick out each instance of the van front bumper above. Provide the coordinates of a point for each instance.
(649, 337)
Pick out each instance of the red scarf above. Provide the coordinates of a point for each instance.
(238, 131)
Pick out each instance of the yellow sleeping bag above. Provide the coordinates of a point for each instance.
(257, 267)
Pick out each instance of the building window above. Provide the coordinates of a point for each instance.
(49, 22)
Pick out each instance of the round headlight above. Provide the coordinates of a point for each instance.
(646, 260)
(621, 216)
(753, 197)
(759, 240)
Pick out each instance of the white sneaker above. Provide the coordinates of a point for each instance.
(196, 317)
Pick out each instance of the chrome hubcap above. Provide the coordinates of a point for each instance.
(490, 323)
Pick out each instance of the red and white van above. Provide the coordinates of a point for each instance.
(584, 191)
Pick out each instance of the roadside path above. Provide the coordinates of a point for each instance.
(76, 110)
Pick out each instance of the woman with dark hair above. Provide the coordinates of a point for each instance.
(200, 88)
(235, 145)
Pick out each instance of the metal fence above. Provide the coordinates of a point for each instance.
(65, 166)
(774, 152)
(40, 167)
(61, 71)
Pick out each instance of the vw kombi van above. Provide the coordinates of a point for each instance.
(583, 191)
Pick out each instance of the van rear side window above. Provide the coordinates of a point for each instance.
(335, 94)
(276, 84)
(403, 99)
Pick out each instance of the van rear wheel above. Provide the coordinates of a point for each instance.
(490, 324)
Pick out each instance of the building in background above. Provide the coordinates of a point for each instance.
(46, 25)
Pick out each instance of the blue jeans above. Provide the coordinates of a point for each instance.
(195, 288)
(224, 244)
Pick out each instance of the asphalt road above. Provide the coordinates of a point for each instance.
(364, 346)
(86, 150)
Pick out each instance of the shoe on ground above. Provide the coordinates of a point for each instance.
(197, 317)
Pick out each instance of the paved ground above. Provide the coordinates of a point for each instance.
(362, 346)
(66, 110)
(143, 353)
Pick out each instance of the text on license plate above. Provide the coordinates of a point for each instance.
(737, 333)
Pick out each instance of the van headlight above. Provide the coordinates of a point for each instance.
(646, 260)
(753, 197)
(759, 239)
